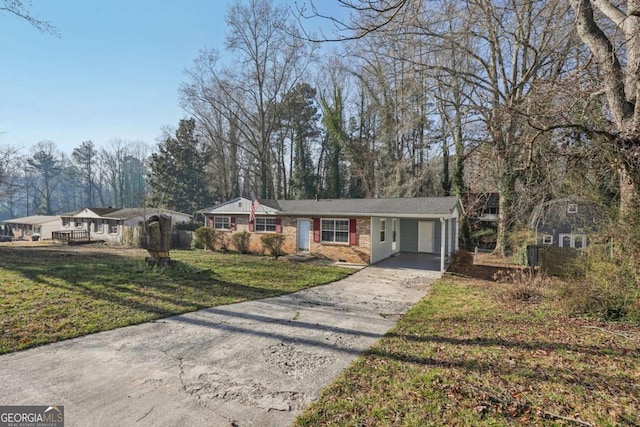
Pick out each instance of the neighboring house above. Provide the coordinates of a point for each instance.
(362, 231)
(482, 213)
(114, 225)
(26, 227)
(486, 207)
(567, 222)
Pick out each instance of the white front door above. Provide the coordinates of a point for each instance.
(394, 235)
(425, 236)
(304, 228)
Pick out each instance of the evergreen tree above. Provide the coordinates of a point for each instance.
(177, 177)
(46, 167)
(300, 116)
(85, 158)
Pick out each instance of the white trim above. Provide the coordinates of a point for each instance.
(265, 225)
(348, 220)
(572, 240)
(221, 216)
(442, 244)
(450, 232)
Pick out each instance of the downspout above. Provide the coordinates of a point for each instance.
(443, 230)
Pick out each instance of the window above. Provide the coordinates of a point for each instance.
(547, 239)
(493, 210)
(572, 208)
(335, 230)
(78, 223)
(265, 225)
(113, 227)
(222, 222)
(65, 222)
(383, 230)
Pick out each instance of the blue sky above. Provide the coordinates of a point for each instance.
(114, 72)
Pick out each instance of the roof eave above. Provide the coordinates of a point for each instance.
(341, 214)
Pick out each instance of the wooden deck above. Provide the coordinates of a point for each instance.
(71, 236)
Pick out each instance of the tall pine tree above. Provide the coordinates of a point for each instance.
(178, 178)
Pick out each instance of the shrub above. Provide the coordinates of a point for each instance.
(273, 243)
(188, 226)
(241, 241)
(223, 242)
(527, 284)
(206, 237)
(196, 243)
(610, 288)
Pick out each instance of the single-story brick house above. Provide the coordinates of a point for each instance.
(362, 231)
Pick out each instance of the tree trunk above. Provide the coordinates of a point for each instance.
(507, 192)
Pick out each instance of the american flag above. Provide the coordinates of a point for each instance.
(254, 207)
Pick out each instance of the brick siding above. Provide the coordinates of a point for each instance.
(360, 253)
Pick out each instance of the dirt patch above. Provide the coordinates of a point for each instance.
(292, 360)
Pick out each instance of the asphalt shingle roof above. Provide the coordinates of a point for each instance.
(33, 220)
(399, 206)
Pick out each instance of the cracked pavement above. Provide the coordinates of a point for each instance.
(257, 363)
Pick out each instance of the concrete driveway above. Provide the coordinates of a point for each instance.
(254, 363)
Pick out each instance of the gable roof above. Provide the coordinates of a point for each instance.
(402, 206)
(554, 214)
(135, 212)
(99, 212)
(122, 213)
(33, 220)
(424, 207)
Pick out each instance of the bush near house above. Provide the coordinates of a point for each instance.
(205, 236)
(241, 241)
(273, 243)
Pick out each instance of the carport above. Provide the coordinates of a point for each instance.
(427, 226)
(412, 261)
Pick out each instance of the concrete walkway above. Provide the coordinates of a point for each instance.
(256, 363)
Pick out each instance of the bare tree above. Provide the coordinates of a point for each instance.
(613, 37)
(10, 168)
(126, 169)
(269, 60)
(509, 48)
(21, 9)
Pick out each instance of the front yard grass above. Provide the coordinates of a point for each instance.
(468, 355)
(53, 293)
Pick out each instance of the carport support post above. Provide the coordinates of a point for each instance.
(443, 240)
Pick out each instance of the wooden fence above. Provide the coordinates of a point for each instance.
(553, 260)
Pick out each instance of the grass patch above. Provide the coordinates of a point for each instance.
(466, 355)
(49, 294)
